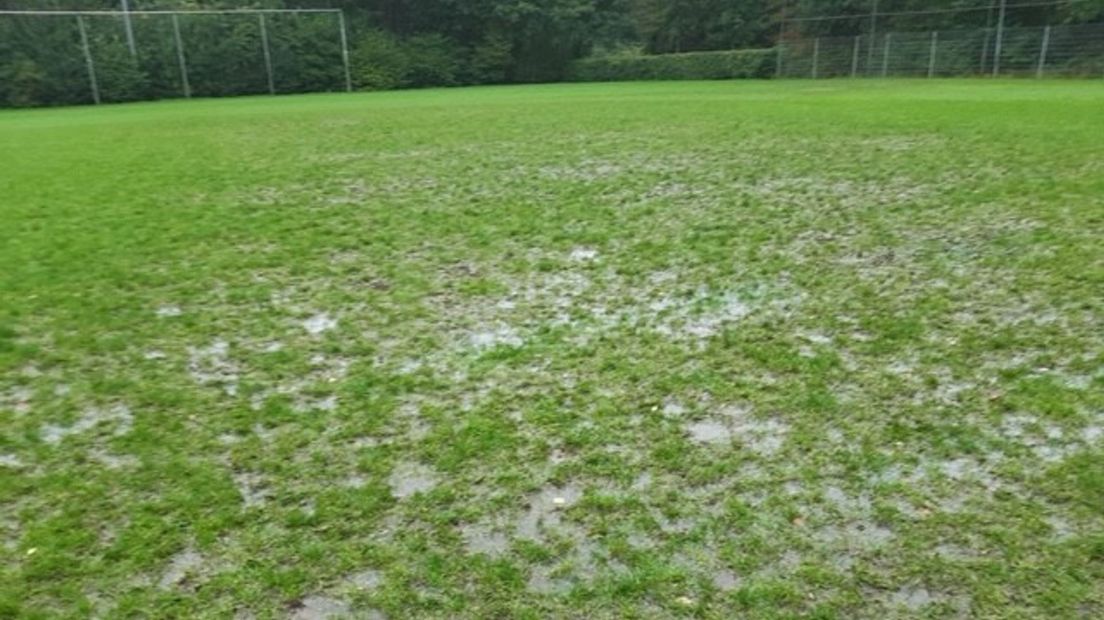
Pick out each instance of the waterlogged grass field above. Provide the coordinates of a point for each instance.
(716, 350)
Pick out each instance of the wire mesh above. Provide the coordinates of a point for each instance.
(1074, 50)
(43, 59)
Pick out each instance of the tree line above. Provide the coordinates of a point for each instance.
(416, 43)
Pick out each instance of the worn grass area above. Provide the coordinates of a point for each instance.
(763, 350)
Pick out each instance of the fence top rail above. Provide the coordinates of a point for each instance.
(166, 12)
(968, 9)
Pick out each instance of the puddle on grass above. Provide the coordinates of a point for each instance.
(411, 478)
(169, 311)
(583, 254)
(90, 418)
(542, 582)
(305, 405)
(913, 598)
(709, 431)
(544, 510)
(483, 540)
(366, 580)
(180, 567)
(211, 365)
(113, 461)
(18, 399)
(859, 535)
(252, 489)
(317, 607)
(764, 437)
(489, 338)
(673, 408)
(726, 580)
(319, 323)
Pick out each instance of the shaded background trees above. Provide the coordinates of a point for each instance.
(415, 43)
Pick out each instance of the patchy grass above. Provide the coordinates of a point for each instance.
(758, 350)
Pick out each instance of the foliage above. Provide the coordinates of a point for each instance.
(414, 43)
(687, 66)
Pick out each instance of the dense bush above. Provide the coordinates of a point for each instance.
(688, 66)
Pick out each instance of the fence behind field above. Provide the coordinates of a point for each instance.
(1076, 50)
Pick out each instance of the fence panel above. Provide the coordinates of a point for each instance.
(72, 57)
(1025, 52)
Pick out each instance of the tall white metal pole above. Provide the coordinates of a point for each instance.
(88, 60)
(988, 28)
(1000, 39)
(267, 55)
(1043, 52)
(180, 58)
(931, 56)
(129, 29)
(345, 52)
(873, 31)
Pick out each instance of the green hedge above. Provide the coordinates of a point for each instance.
(689, 66)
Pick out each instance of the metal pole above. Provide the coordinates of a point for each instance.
(267, 55)
(1043, 52)
(129, 29)
(885, 56)
(781, 38)
(1000, 39)
(988, 29)
(345, 53)
(873, 31)
(88, 60)
(180, 60)
(855, 56)
(931, 57)
(816, 55)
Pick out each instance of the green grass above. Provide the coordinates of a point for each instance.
(808, 349)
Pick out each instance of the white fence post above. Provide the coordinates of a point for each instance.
(180, 59)
(885, 56)
(1043, 52)
(855, 57)
(267, 55)
(1000, 39)
(816, 55)
(345, 52)
(931, 56)
(128, 29)
(88, 60)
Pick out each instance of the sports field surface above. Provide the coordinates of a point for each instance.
(738, 349)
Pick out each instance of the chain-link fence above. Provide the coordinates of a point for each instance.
(1032, 52)
(89, 56)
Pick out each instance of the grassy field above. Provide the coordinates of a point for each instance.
(757, 350)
